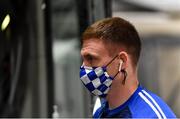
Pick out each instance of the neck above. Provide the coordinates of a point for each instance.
(119, 93)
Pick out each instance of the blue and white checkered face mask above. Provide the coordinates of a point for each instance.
(96, 79)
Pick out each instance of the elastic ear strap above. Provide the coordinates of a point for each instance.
(111, 61)
(125, 76)
(120, 66)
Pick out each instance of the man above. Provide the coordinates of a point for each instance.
(110, 52)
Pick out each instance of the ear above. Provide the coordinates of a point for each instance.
(124, 57)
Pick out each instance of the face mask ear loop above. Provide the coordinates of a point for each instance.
(120, 65)
(123, 71)
(111, 61)
(125, 76)
(116, 75)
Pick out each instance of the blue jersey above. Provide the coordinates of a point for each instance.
(142, 104)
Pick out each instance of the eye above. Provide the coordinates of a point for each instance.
(89, 58)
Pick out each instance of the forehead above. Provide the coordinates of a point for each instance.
(94, 45)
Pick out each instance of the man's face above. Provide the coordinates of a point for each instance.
(95, 53)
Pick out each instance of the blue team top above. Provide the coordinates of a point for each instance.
(142, 104)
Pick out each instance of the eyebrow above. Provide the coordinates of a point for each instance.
(94, 55)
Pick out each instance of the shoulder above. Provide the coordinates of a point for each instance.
(148, 104)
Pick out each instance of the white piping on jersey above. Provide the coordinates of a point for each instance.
(97, 105)
(160, 110)
(150, 104)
